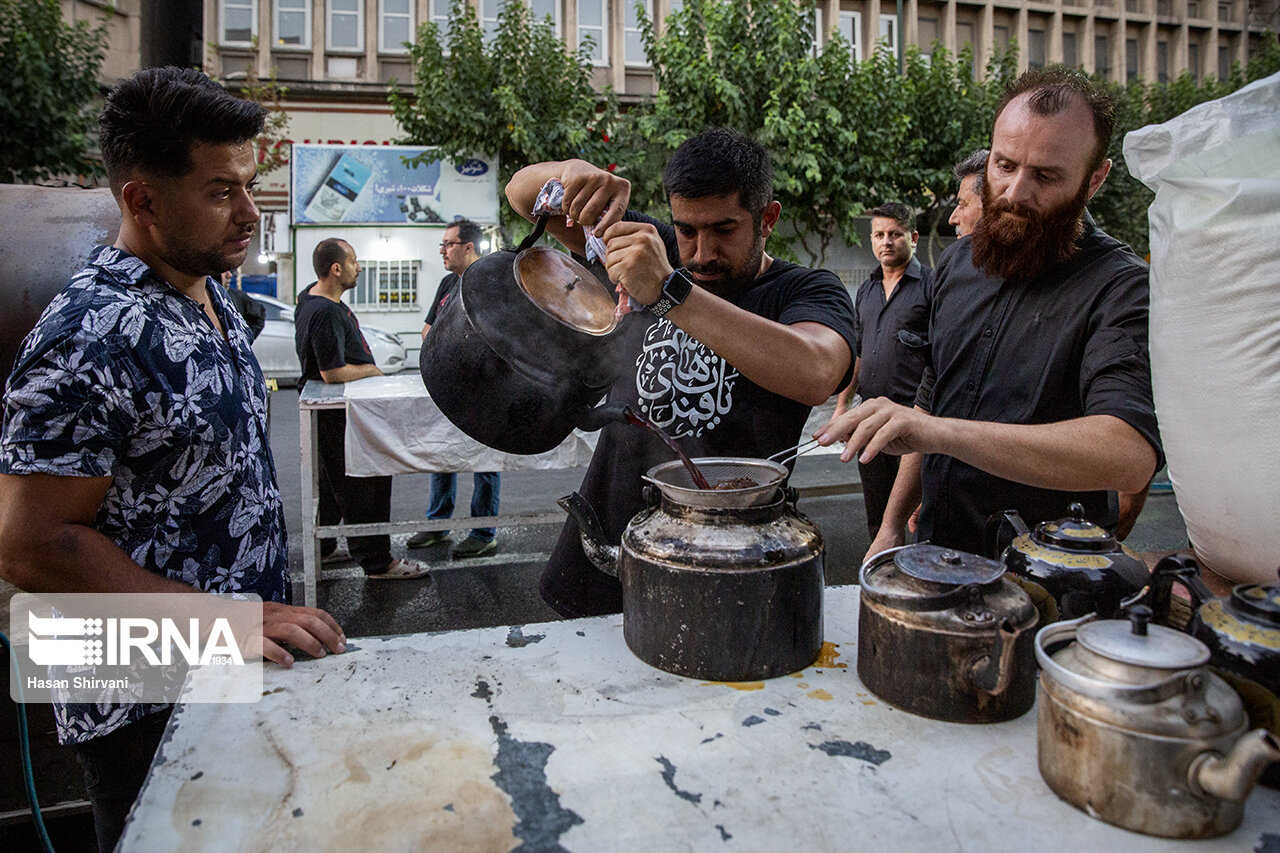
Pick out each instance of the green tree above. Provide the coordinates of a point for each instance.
(47, 91)
(521, 97)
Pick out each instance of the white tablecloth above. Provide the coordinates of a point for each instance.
(393, 427)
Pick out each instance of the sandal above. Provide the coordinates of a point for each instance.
(401, 570)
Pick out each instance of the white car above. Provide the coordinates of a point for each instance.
(277, 350)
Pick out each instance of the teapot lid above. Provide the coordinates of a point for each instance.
(564, 289)
(936, 564)
(1257, 602)
(1075, 533)
(1133, 641)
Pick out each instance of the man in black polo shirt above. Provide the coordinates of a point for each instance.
(1038, 387)
(891, 322)
(332, 348)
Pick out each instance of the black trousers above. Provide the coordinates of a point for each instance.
(354, 500)
(115, 766)
(877, 484)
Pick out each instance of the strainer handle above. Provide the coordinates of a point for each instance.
(782, 457)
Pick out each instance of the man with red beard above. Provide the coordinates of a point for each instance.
(1038, 389)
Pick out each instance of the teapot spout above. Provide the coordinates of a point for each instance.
(603, 556)
(591, 419)
(1233, 776)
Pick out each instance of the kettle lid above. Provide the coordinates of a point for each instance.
(1133, 641)
(1075, 533)
(936, 564)
(1258, 603)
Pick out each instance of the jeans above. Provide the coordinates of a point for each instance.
(115, 766)
(484, 499)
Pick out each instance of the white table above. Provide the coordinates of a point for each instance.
(393, 427)
(556, 736)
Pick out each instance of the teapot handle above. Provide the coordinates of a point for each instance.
(1181, 569)
(994, 537)
(534, 235)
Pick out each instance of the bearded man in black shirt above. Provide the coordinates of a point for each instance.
(1037, 391)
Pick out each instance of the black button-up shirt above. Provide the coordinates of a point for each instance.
(1071, 343)
(891, 334)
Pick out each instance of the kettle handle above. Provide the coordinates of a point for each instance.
(1179, 569)
(994, 539)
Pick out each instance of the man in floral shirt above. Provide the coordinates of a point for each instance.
(133, 452)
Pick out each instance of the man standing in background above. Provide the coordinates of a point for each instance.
(891, 323)
(331, 348)
(969, 193)
(459, 250)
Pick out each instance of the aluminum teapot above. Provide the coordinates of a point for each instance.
(1080, 564)
(1135, 729)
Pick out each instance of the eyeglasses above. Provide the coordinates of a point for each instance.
(444, 244)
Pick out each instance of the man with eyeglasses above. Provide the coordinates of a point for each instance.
(459, 250)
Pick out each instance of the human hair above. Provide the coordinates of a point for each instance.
(1052, 91)
(468, 232)
(719, 162)
(975, 164)
(329, 251)
(151, 120)
(896, 211)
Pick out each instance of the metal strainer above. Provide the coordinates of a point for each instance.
(676, 483)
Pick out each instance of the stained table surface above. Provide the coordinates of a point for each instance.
(554, 736)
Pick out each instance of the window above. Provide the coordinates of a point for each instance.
(927, 34)
(632, 40)
(440, 16)
(540, 10)
(593, 23)
(395, 25)
(239, 21)
(889, 31)
(293, 23)
(1000, 37)
(1162, 61)
(1069, 50)
(1193, 60)
(387, 285)
(1102, 56)
(490, 10)
(1035, 48)
(1130, 60)
(850, 27)
(1224, 62)
(346, 29)
(964, 38)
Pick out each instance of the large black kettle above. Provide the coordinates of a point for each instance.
(1082, 566)
(526, 348)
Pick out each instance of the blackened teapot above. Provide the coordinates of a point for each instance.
(1080, 564)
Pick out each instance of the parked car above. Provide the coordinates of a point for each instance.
(277, 350)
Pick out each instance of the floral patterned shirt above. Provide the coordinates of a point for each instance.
(123, 376)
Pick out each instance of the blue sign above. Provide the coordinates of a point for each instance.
(367, 184)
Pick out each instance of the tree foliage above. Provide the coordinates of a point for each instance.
(47, 92)
(521, 97)
(845, 135)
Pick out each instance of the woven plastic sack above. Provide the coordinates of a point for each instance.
(1215, 320)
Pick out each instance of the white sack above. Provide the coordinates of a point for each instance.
(1215, 320)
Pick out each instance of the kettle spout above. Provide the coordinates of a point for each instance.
(1232, 777)
(591, 419)
(603, 556)
(993, 672)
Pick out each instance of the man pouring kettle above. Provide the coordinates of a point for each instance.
(734, 350)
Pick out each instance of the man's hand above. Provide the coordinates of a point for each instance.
(888, 536)
(305, 628)
(879, 426)
(637, 260)
(593, 196)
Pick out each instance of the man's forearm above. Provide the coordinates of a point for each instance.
(349, 373)
(1095, 452)
(905, 495)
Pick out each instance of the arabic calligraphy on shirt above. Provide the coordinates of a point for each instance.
(683, 386)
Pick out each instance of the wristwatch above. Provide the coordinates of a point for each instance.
(675, 290)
